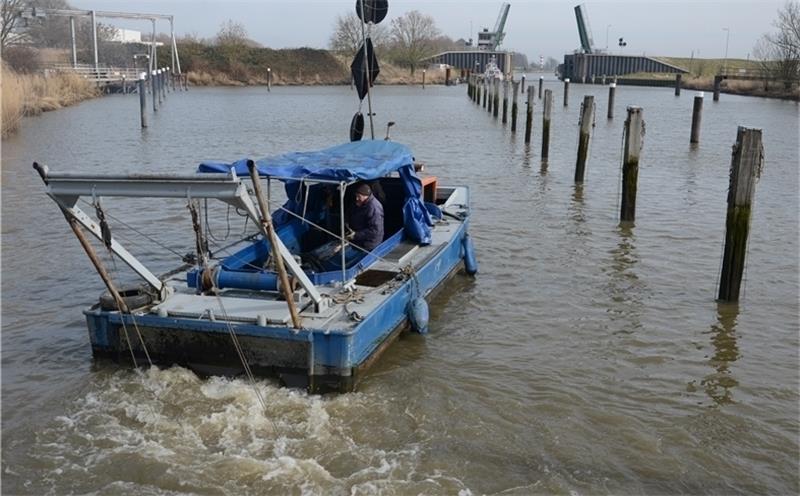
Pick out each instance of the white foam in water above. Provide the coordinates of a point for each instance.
(169, 432)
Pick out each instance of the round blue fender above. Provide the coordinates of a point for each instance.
(418, 314)
(470, 262)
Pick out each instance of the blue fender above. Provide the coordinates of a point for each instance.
(470, 261)
(418, 314)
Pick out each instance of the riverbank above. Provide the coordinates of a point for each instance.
(321, 68)
(32, 94)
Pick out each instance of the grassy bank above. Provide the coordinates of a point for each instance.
(211, 65)
(32, 94)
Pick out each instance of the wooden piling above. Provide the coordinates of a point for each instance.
(478, 85)
(124, 85)
(154, 90)
(541, 83)
(159, 87)
(529, 117)
(587, 115)
(142, 102)
(546, 110)
(505, 101)
(496, 98)
(745, 168)
(566, 92)
(447, 77)
(514, 109)
(630, 163)
(485, 91)
(491, 96)
(717, 84)
(269, 79)
(522, 85)
(612, 88)
(697, 114)
(678, 84)
(423, 79)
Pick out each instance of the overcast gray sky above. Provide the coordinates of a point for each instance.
(546, 27)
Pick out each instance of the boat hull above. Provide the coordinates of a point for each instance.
(319, 360)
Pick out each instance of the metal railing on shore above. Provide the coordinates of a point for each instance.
(99, 75)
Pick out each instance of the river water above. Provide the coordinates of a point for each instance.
(585, 357)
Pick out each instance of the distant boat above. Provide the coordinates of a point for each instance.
(229, 313)
(492, 71)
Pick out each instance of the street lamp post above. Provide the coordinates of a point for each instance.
(727, 38)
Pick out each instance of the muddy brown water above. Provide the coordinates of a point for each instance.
(585, 357)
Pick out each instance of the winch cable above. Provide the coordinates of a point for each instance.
(107, 237)
(140, 233)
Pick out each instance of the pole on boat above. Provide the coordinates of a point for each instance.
(266, 226)
(587, 116)
(630, 163)
(745, 168)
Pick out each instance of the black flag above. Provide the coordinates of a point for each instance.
(358, 69)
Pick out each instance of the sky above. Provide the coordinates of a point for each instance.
(677, 28)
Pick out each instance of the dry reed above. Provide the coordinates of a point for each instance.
(32, 94)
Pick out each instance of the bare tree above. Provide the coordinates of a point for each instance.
(231, 33)
(778, 53)
(346, 37)
(413, 35)
(11, 18)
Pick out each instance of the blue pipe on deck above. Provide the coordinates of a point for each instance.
(235, 279)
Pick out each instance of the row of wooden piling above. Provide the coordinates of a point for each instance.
(745, 163)
(159, 82)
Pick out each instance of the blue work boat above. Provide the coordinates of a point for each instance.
(261, 307)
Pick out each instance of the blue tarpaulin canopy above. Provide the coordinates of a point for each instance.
(355, 161)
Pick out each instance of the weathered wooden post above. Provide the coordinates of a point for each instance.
(154, 90)
(587, 114)
(124, 85)
(541, 83)
(142, 100)
(522, 85)
(697, 114)
(717, 84)
(496, 103)
(745, 168)
(491, 95)
(165, 82)
(566, 92)
(423, 79)
(514, 109)
(546, 110)
(611, 89)
(478, 86)
(159, 87)
(529, 117)
(269, 79)
(447, 77)
(485, 91)
(630, 163)
(678, 84)
(505, 101)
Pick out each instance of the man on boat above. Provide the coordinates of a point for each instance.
(365, 232)
(366, 219)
